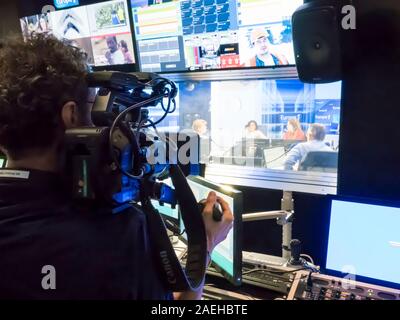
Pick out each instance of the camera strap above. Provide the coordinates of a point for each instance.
(175, 278)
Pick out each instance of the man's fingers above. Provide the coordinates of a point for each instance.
(226, 210)
(223, 203)
(210, 202)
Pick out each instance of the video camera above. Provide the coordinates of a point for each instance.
(120, 163)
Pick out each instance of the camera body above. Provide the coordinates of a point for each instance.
(97, 157)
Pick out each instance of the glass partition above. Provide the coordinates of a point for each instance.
(280, 130)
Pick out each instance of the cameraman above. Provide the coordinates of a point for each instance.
(51, 249)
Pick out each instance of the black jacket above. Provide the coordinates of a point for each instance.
(96, 255)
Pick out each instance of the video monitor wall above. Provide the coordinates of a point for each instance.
(102, 30)
(183, 35)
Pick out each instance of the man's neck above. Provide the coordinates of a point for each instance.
(45, 162)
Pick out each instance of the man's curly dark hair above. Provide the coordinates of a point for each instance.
(37, 77)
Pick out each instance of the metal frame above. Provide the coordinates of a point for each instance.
(298, 181)
(284, 219)
(235, 74)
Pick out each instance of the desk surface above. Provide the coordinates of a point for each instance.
(249, 292)
(218, 288)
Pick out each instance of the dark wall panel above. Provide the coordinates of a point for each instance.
(9, 21)
(309, 226)
(369, 150)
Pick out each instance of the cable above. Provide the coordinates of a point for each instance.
(163, 138)
(271, 271)
(178, 234)
(185, 255)
(166, 140)
(280, 157)
(167, 112)
(308, 257)
(167, 94)
(112, 129)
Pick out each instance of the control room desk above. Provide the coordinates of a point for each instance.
(219, 288)
(243, 292)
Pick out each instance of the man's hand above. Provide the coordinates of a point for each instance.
(216, 231)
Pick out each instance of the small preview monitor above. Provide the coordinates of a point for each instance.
(227, 256)
(190, 35)
(102, 30)
(364, 241)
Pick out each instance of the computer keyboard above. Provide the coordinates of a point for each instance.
(259, 259)
(278, 282)
(213, 293)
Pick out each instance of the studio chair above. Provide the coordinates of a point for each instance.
(322, 161)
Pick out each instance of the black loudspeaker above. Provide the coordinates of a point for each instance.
(316, 41)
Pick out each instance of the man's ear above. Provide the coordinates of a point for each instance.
(69, 114)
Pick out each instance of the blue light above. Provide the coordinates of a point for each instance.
(62, 4)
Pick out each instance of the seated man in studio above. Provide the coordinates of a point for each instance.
(96, 254)
(315, 142)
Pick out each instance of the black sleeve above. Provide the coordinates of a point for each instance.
(147, 284)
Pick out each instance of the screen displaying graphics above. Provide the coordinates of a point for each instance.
(102, 30)
(364, 240)
(213, 34)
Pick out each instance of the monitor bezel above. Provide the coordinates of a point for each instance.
(237, 196)
(206, 71)
(362, 200)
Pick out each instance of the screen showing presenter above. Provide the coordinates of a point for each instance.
(264, 52)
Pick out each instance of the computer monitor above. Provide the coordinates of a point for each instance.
(227, 256)
(102, 29)
(188, 35)
(364, 240)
